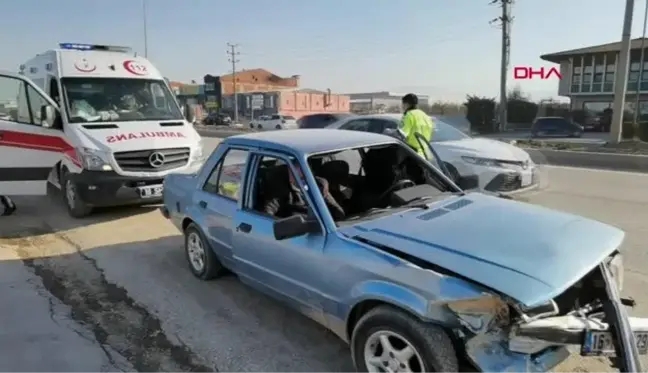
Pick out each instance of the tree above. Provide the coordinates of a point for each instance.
(480, 112)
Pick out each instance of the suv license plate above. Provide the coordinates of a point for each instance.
(153, 191)
(601, 343)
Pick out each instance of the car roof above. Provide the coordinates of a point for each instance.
(309, 141)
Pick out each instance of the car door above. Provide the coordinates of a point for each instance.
(28, 148)
(361, 124)
(286, 269)
(219, 198)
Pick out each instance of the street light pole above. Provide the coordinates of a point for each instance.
(637, 109)
(145, 28)
(621, 81)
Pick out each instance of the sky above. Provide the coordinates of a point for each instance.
(444, 48)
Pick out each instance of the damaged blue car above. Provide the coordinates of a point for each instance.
(362, 235)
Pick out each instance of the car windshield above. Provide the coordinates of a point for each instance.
(119, 100)
(445, 132)
(363, 181)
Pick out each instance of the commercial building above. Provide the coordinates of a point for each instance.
(247, 81)
(296, 103)
(589, 74)
(379, 101)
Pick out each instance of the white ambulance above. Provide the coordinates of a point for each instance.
(98, 122)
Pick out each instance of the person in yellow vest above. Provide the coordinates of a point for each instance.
(415, 121)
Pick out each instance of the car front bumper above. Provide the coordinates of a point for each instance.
(107, 188)
(504, 180)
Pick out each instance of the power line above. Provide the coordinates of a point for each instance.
(504, 21)
(233, 54)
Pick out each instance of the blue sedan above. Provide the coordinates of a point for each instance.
(365, 237)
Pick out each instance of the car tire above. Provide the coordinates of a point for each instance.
(259, 127)
(433, 350)
(252, 125)
(76, 207)
(278, 127)
(210, 267)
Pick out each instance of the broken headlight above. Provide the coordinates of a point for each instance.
(481, 313)
(616, 268)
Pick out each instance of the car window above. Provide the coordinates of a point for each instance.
(446, 132)
(288, 117)
(226, 177)
(550, 123)
(357, 125)
(274, 180)
(275, 117)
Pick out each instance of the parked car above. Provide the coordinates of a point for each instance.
(414, 273)
(321, 120)
(555, 127)
(501, 167)
(274, 122)
(215, 119)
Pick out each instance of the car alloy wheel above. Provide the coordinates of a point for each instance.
(387, 351)
(196, 252)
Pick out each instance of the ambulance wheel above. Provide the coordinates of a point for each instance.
(77, 208)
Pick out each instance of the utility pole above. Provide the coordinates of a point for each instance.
(145, 28)
(505, 22)
(621, 81)
(637, 111)
(233, 53)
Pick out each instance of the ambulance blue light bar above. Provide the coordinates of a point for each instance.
(94, 47)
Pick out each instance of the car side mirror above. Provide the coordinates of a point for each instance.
(188, 113)
(50, 117)
(468, 182)
(294, 226)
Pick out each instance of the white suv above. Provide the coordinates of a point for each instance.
(274, 122)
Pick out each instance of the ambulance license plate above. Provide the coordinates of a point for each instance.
(151, 191)
(601, 343)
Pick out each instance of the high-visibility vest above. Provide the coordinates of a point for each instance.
(417, 121)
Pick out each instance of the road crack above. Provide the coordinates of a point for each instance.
(115, 319)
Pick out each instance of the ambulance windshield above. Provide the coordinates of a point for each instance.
(118, 100)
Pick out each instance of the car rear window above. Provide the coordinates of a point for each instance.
(314, 121)
(551, 123)
(288, 117)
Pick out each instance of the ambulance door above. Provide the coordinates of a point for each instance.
(32, 140)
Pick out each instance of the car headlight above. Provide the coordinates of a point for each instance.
(94, 160)
(198, 155)
(482, 161)
(616, 268)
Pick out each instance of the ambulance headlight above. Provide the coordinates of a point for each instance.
(94, 160)
(198, 155)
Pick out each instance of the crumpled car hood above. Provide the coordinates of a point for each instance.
(529, 253)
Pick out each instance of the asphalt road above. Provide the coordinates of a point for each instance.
(119, 282)
(588, 137)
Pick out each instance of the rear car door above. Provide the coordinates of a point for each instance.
(28, 150)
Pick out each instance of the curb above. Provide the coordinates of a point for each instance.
(606, 161)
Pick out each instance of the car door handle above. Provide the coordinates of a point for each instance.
(244, 227)
(202, 204)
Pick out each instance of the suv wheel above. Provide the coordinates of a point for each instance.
(388, 339)
(76, 206)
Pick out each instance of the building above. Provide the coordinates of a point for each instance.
(247, 81)
(379, 101)
(588, 76)
(296, 103)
